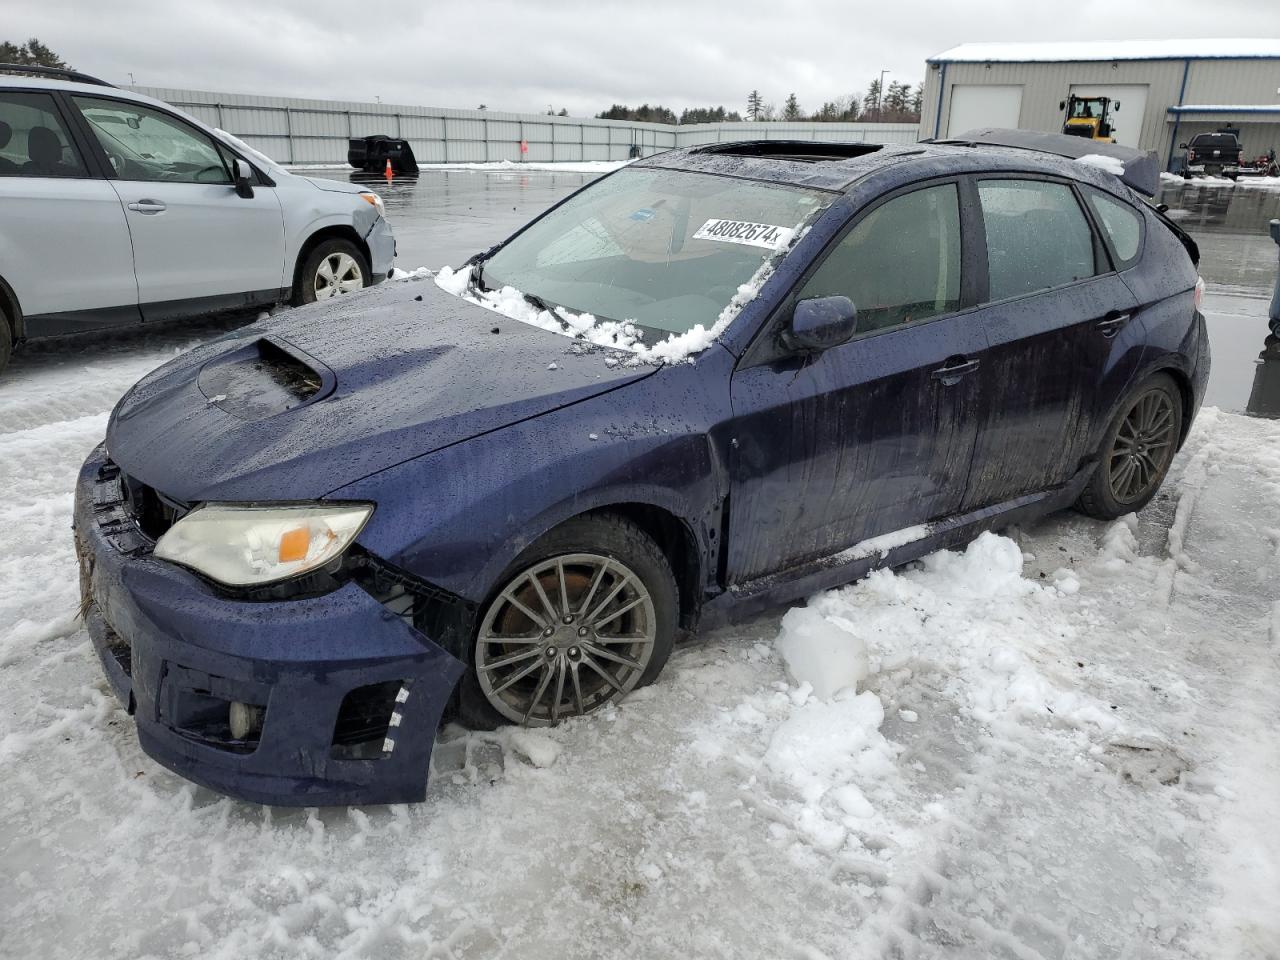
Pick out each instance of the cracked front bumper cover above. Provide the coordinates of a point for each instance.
(175, 652)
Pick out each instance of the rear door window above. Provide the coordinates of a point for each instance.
(1123, 225)
(34, 142)
(149, 145)
(1037, 236)
(900, 264)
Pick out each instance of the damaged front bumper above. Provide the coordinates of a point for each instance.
(330, 699)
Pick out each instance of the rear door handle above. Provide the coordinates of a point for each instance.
(955, 369)
(148, 206)
(1112, 324)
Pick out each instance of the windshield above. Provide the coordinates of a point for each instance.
(1086, 109)
(666, 250)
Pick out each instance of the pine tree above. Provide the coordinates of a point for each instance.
(755, 105)
(871, 102)
(791, 110)
(33, 53)
(917, 102)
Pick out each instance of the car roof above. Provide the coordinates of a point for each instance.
(36, 84)
(843, 165)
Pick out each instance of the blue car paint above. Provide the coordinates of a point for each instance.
(754, 471)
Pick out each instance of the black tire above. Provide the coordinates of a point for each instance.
(304, 289)
(6, 341)
(1124, 482)
(606, 535)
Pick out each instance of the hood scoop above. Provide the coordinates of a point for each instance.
(264, 378)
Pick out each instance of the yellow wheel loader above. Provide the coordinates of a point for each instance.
(1089, 117)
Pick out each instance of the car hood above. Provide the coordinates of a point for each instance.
(334, 186)
(295, 407)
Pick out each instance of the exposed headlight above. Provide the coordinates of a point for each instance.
(369, 197)
(245, 546)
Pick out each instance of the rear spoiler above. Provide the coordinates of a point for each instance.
(1141, 168)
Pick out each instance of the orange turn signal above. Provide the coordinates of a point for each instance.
(294, 544)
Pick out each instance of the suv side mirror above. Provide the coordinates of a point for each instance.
(819, 324)
(244, 178)
(1182, 146)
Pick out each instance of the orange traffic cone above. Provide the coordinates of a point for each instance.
(388, 173)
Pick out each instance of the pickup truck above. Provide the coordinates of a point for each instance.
(1212, 155)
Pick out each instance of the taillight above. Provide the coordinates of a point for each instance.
(1199, 295)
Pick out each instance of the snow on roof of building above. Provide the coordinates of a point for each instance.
(1075, 51)
(1226, 108)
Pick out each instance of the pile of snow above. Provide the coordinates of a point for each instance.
(612, 334)
(1272, 183)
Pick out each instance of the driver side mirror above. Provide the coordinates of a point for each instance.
(1062, 104)
(819, 324)
(244, 178)
(1116, 106)
(1182, 146)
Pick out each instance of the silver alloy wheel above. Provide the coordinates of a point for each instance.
(564, 637)
(338, 273)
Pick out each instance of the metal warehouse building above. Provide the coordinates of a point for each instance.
(1169, 90)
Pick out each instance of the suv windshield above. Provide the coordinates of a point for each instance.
(663, 249)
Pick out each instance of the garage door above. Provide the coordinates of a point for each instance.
(1127, 121)
(974, 106)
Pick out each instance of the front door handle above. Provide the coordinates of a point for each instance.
(954, 370)
(1112, 323)
(148, 206)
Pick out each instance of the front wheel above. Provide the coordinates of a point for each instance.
(1136, 451)
(333, 269)
(582, 618)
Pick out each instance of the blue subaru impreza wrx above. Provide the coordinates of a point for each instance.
(715, 381)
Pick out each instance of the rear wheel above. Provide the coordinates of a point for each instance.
(1136, 451)
(582, 618)
(334, 268)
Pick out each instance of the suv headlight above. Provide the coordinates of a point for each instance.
(371, 198)
(246, 546)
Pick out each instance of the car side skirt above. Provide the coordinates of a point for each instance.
(754, 597)
(101, 318)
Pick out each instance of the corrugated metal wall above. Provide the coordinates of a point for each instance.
(316, 131)
(1045, 85)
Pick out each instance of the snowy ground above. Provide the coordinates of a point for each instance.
(1249, 181)
(1064, 746)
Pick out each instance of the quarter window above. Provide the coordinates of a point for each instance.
(146, 144)
(1122, 223)
(1037, 236)
(34, 142)
(900, 264)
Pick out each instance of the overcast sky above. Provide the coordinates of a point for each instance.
(583, 56)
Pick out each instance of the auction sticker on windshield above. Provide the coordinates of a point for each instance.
(743, 231)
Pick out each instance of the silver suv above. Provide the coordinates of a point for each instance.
(117, 209)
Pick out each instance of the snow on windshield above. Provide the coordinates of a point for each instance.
(616, 334)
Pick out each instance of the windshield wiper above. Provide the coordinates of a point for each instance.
(536, 301)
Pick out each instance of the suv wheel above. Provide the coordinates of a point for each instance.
(1136, 451)
(580, 619)
(332, 269)
(6, 341)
